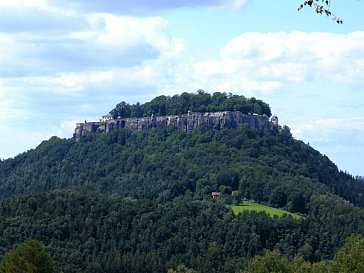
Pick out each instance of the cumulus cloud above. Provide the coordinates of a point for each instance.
(108, 41)
(272, 59)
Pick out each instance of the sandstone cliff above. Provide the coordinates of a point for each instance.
(187, 122)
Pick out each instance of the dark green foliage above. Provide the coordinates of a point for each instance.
(349, 259)
(331, 221)
(93, 232)
(164, 163)
(116, 233)
(198, 102)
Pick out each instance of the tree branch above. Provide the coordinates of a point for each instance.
(321, 8)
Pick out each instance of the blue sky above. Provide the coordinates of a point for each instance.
(64, 61)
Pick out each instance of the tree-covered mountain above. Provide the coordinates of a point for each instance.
(166, 162)
(141, 202)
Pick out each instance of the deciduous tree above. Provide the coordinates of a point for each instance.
(28, 257)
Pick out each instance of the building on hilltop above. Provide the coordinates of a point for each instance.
(215, 194)
(186, 122)
(274, 120)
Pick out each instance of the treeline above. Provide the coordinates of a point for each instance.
(107, 233)
(195, 102)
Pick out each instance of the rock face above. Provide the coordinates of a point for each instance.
(186, 122)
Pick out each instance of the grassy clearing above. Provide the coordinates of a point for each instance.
(250, 206)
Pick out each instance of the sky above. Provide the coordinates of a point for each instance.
(66, 61)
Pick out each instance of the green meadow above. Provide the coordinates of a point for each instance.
(251, 206)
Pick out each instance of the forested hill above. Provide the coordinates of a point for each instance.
(141, 202)
(166, 162)
(195, 102)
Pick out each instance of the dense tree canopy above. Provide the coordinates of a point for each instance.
(349, 259)
(196, 102)
(107, 233)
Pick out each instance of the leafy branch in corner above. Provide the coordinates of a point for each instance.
(322, 7)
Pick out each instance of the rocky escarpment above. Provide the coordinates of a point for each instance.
(187, 122)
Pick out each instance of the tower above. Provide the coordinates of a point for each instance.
(274, 120)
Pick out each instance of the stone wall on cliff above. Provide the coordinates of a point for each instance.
(186, 122)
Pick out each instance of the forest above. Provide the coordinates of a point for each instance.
(141, 202)
(195, 102)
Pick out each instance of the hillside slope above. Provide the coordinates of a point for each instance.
(167, 162)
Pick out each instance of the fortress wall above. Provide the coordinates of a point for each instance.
(187, 122)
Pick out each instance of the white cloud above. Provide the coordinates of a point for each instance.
(111, 31)
(113, 42)
(111, 52)
(65, 128)
(273, 59)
